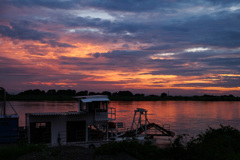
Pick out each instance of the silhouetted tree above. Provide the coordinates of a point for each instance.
(115, 94)
(93, 93)
(139, 95)
(38, 92)
(125, 93)
(153, 95)
(106, 93)
(27, 92)
(32, 92)
(163, 95)
(82, 93)
(51, 92)
(68, 92)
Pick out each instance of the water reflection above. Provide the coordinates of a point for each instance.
(190, 117)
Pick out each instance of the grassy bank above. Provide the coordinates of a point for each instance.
(13, 151)
(214, 144)
(222, 143)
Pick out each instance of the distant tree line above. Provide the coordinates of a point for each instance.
(68, 94)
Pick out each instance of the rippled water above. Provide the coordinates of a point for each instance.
(185, 117)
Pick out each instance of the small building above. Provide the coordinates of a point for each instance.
(88, 124)
(8, 122)
(8, 128)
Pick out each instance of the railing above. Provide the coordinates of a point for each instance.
(101, 114)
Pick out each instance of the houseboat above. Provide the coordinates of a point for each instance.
(86, 126)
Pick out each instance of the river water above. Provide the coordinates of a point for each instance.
(184, 117)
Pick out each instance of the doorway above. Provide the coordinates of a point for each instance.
(76, 131)
(40, 132)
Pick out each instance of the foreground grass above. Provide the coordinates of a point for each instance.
(214, 144)
(13, 151)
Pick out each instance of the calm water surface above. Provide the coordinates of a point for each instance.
(185, 117)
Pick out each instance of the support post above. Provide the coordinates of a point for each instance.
(86, 139)
(107, 130)
(145, 123)
(133, 120)
(139, 122)
(4, 101)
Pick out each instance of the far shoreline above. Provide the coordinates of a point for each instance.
(123, 98)
(68, 95)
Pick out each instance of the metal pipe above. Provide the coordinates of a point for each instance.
(4, 100)
(145, 123)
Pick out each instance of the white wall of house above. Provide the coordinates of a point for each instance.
(59, 125)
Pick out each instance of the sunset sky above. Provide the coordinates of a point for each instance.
(184, 47)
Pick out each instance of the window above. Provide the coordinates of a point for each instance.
(83, 106)
(41, 125)
(103, 106)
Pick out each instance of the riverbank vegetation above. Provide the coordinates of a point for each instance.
(213, 144)
(39, 95)
(13, 151)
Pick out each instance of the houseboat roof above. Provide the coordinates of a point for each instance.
(71, 113)
(93, 98)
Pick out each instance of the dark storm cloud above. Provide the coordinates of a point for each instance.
(115, 5)
(119, 60)
(120, 28)
(21, 31)
(204, 30)
(227, 82)
(227, 63)
(128, 59)
(71, 21)
(216, 29)
(176, 67)
(43, 3)
(12, 70)
(127, 5)
(88, 64)
(197, 64)
(212, 30)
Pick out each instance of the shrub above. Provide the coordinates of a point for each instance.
(220, 144)
(214, 144)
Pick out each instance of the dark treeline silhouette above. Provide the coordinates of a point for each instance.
(68, 94)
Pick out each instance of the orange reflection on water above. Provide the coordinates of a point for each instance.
(191, 115)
